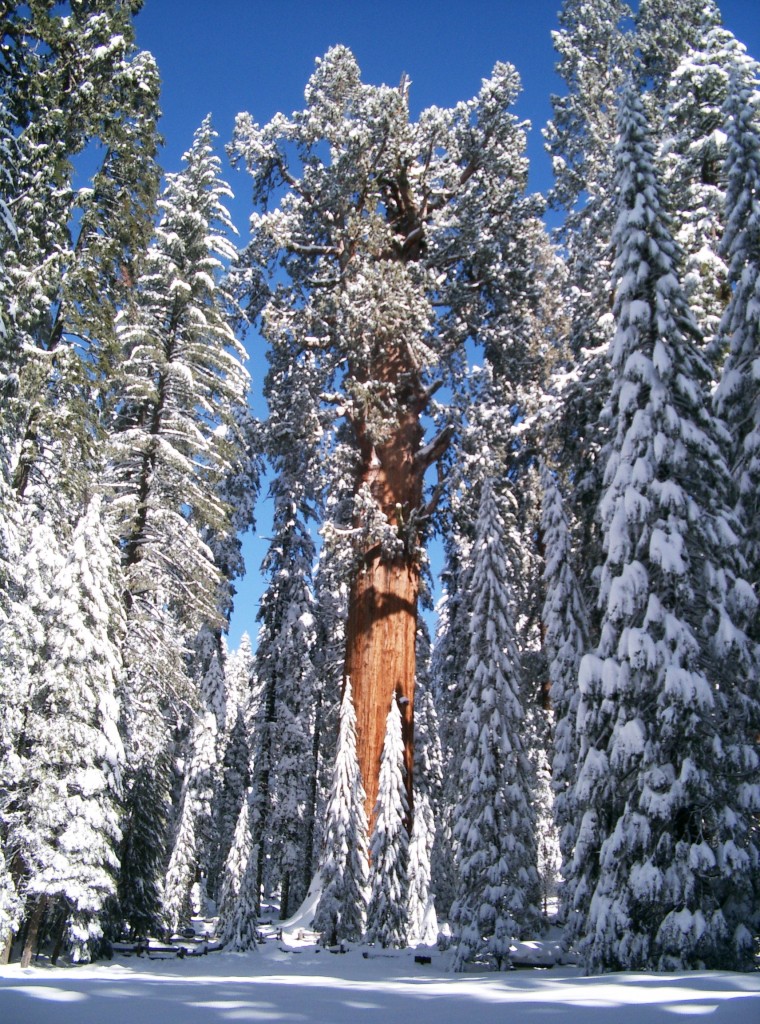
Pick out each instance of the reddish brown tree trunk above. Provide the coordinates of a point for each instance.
(382, 622)
(380, 661)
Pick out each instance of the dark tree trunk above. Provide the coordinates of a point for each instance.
(33, 931)
(59, 932)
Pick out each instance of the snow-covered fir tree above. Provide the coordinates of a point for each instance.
(11, 909)
(566, 641)
(283, 756)
(493, 820)
(241, 707)
(332, 580)
(181, 381)
(179, 385)
(75, 83)
(387, 920)
(428, 784)
(143, 850)
(191, 855)
(282, 747)
(694, 149)
(237, 917)
(665, 31)
(448, 672)
(664, 873)
(595, 51)
(737, 397)
(65, 825)
(35, 561)
(238, 926)
(342, 909)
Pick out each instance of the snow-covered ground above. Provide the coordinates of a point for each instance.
(294, 980)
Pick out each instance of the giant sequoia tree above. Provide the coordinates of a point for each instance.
(393, 242)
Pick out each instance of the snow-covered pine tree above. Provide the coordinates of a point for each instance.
(694, 149)
(493, 821)
(528, 590)
(240, 713)
(428, 784)
(180, 383)
(176, 396)
(665, 31)
(191, 854)
(665, 867)
(235, 928)
(74, 81)
(566, 641)
(283, 791)
(342, 908)
(65, 825)
(451, 649)
(332, 580)
(387, 922)
(239, 680)
(448, 671)
(9, 356)
(737, 398)
(240, 890)
(282, 739)
(35, 560)
(143, 851)
(595, 51)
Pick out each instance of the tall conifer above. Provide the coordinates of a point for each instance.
(664, 871)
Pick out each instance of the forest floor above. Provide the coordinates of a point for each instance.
(289, 978)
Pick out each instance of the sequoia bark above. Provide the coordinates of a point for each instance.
(382, 620)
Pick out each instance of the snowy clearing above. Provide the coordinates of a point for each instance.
(280, 982)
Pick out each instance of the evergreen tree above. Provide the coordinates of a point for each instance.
(387, 922)
(335, 566)
(395, 250)
(236, 755)
(179, 386)
(143, 852)
(342, 907)
(74, 81)
(237, 913)
(181, 381)
(423, 922)
(448, 669)
(493, 821)
(191, 854)
(35, 560)
(566, 641)
(736, 397)
(666, 30)
(66, 823)
(241, 893)
(694, 150)
(665, 867)
(284, 752)
(595, 52)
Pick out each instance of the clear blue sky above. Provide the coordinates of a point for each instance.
(225, 56)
